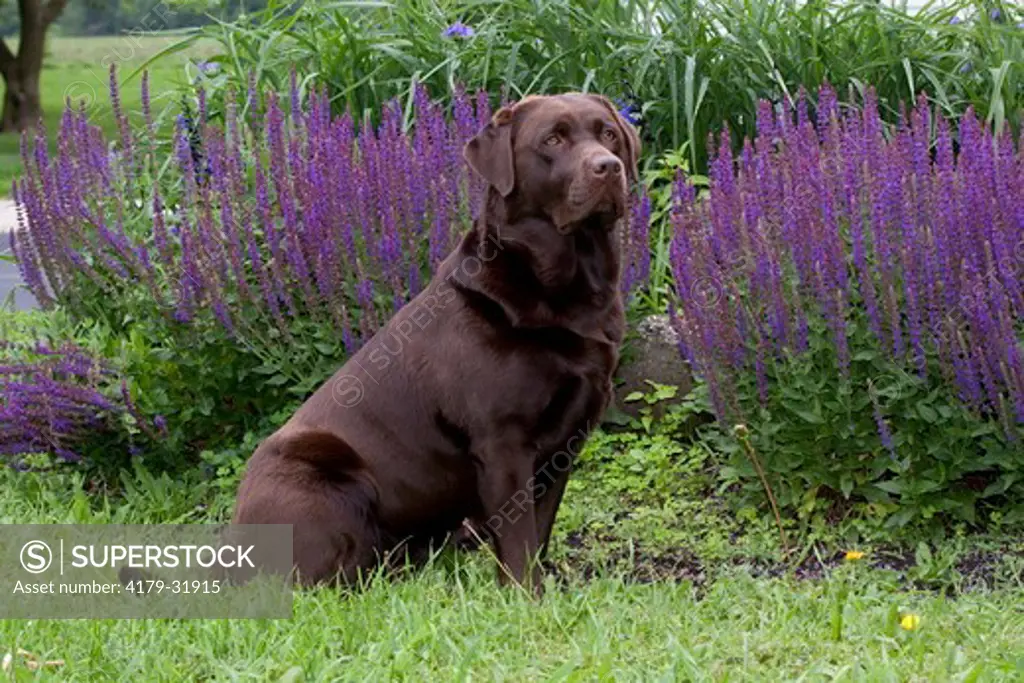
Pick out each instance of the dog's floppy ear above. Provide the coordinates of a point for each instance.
(489, 153)
(630, 138)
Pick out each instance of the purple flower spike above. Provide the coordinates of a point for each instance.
(763, 266)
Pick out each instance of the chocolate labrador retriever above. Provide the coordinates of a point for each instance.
(468, 403)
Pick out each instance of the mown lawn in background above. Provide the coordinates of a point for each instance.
(78, 67)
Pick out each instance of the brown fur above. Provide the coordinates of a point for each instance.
(456, 407)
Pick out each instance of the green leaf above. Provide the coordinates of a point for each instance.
(846, 485)
(325, 349)
(808, 416)
(635, 396)
(901, 518)
(923, 554)
(927, 413)
(890, 486)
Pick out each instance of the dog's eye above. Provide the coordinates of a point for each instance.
(608, 134)
(552, 140)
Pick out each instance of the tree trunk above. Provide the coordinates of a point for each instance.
(22, 106)
(21, 101)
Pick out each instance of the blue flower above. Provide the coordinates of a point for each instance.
(458, 30)
(628, 111)
(1021, 25)
(995, 15)
(956, 20)
(967, 68)
(207, 67)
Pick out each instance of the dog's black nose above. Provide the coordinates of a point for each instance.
(607, 165)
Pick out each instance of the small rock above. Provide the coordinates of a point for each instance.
(652, 353)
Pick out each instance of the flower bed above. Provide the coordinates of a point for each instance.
(855, 295)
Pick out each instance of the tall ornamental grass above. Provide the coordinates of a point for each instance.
(855, 296)
(251, 257)
(683, 66)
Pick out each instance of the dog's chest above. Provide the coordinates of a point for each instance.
(577, 389)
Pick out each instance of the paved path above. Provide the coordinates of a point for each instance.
(9, 276)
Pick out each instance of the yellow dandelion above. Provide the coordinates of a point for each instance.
(853, 555)
(909, 622)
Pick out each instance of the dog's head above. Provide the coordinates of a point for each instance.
(564, 158)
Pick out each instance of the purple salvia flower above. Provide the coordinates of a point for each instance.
(967, 379)
(256, 260)
(884, 433)
(284, 190)
(147, 113)
(201, 113)
(190, 282)
(273, 237)
(343, 141)
(1016, 376)
(293, 96)
(948, 242)
(802, 116)
(483, 109)
(364, 295)
(122, 122)
(26, 255)
(827, 109)
(227, 187)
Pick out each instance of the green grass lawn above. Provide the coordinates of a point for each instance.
(79, 68)
(456, 627)
(652, 578)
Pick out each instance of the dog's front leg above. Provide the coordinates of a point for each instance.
(549, 492)
(506, 493)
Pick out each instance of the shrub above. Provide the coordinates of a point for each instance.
(251, 262)
(856, 299)
(64, 402)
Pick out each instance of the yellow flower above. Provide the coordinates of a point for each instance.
(853, 555)
(909, 622)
